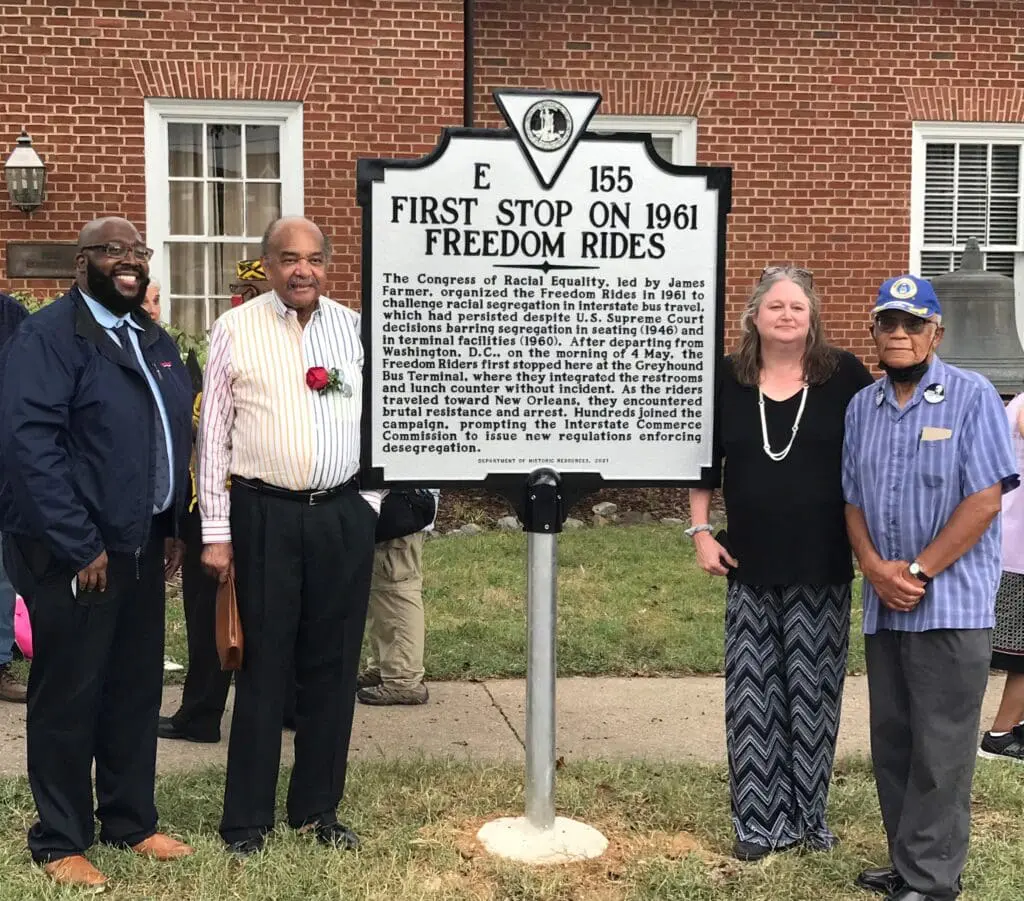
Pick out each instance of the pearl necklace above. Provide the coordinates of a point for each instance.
(781, 455)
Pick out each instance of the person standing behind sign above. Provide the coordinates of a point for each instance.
(281, 416)
(781, 401)
(395, 624)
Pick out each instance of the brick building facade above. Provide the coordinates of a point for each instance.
(865, 138)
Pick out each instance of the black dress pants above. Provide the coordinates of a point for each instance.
(206, 685)
(303, 584)
(93, 694)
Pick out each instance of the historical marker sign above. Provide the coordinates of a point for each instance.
(539, 296)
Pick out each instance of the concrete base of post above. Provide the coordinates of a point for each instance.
(515, 838)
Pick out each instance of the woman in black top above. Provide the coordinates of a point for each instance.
(781, 406)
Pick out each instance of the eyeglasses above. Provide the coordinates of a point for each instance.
(889, 322)
(118, 250)
(790, 272)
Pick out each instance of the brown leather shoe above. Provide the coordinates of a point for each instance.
(76, 870)
(162, 847)
(10, 688)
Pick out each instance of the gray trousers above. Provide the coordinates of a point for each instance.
(926, 690)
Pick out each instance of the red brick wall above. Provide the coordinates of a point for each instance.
(376, 79)
(811, 103)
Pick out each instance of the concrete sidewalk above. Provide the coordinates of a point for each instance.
(656, 719)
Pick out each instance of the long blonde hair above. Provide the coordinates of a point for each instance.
(820, 359)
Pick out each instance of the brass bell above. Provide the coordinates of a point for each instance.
(978, 313)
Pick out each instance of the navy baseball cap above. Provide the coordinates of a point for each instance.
(911, 295)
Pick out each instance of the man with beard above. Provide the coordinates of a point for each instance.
(281, 418)
(95, 435)
(926, 459)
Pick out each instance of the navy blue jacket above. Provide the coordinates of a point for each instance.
(12, 314)
(77, 426)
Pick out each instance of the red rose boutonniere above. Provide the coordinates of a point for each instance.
(320, 380)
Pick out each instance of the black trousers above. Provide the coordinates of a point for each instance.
(206, 685)
(303, 583)
(93, 694)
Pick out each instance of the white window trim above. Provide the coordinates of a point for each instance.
(158, 112)
(681, 129)
(973, 132)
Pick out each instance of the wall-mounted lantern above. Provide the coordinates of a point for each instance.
(26, 175)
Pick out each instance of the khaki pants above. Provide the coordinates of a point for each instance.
(394, 623)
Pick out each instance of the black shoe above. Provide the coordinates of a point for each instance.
(337, 835)
(884, 880)
(245, 847)
(751, 851)
(165, 728)
(1002, 747)
(908, 894)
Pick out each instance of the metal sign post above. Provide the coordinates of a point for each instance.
(540, 836)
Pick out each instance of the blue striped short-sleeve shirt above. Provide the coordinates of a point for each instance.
(909, 469)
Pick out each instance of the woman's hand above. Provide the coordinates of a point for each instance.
(712, 557)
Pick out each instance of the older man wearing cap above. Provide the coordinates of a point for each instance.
(926, 459)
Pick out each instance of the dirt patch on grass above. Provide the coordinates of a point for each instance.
(479, 875)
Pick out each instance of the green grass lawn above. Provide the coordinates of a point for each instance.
(668, 827)
(631, 601)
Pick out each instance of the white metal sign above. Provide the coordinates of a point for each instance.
(538, 296)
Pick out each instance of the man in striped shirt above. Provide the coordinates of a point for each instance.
(926, 459)
(281, 418)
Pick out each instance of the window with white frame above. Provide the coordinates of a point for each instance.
(675, 137)
(966, 183)
(217, 173)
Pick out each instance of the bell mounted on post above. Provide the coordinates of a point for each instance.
(979, 315)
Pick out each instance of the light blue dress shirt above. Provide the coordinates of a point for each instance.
(109, 322)
(908, 470)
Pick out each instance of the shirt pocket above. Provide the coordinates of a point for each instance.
(935, 462)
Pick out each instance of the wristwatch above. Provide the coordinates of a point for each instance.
(918, 573)
(693, 530)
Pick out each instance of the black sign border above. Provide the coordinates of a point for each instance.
(511, 485)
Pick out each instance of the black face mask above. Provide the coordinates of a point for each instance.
(905, 374)
(103, 289)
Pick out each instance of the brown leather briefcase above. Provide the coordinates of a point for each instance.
(230, 642)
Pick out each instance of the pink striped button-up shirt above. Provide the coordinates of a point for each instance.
(260, 420)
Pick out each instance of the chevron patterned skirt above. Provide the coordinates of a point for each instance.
(785, 661)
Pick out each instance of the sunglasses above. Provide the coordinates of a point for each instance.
(118, 250)
(889, 322)
(793, 272)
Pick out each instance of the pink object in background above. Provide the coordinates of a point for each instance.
(22, 627)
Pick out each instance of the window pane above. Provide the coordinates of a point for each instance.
(263, 151)
(970, 219)
(934, 263)
(188, 314)
(938, 220)
(262, 206)
(184, 150)
(186, 203)
(999, 262)
(1005, 169)
(218, 305)
(224, 151)
(938, 176)
(186, 267)
(1002, 222)
(973, 176)
(225, 208)
(664, 146)
(224, 260)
